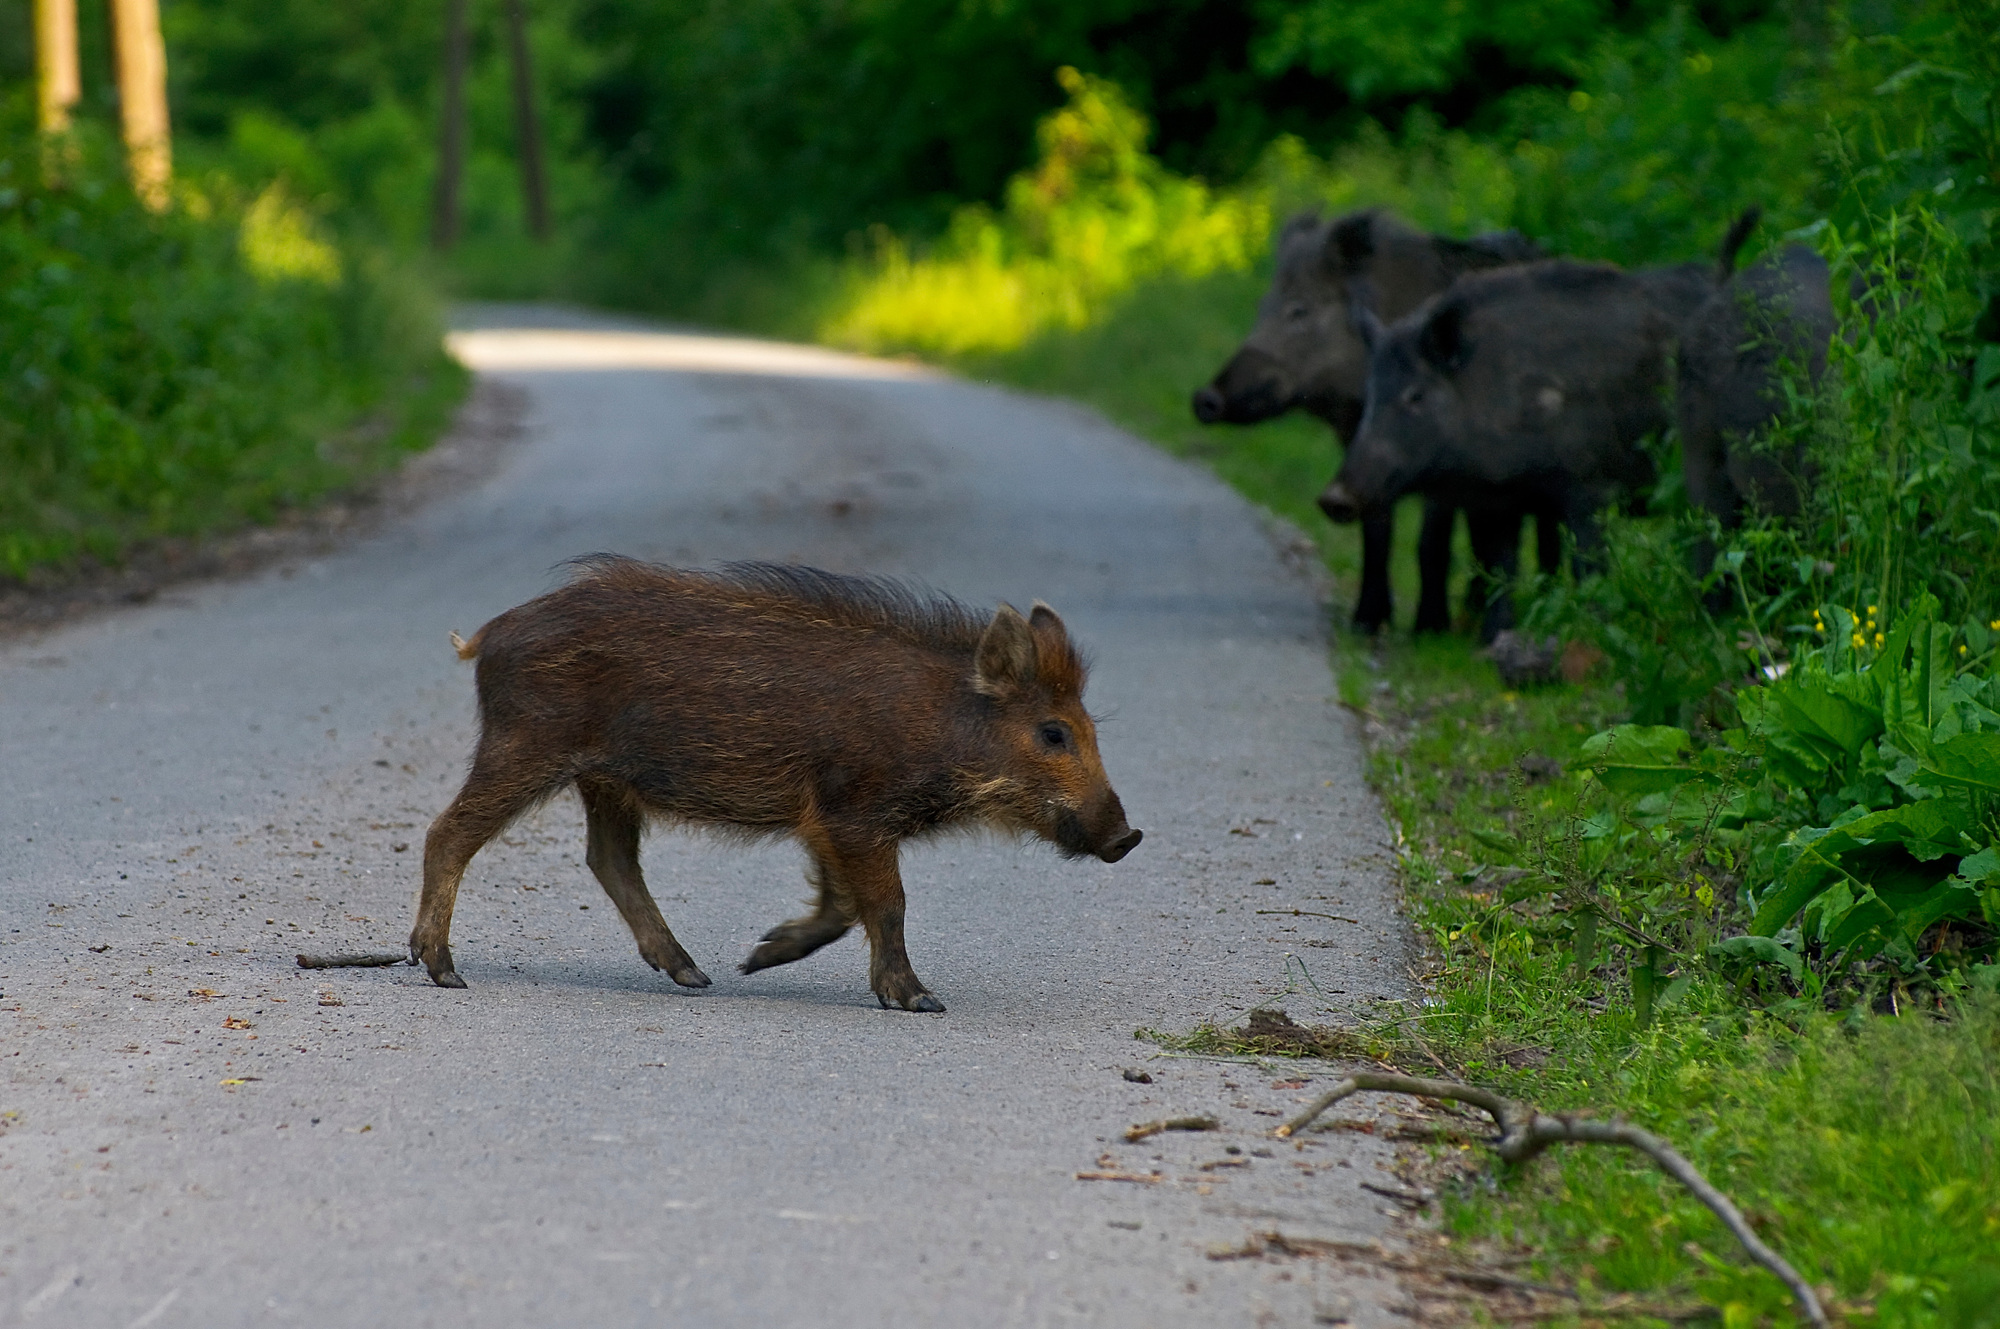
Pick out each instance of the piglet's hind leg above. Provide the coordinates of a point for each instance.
(483, 808)
(613, 856)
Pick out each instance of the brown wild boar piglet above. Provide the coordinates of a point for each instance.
(851, 713)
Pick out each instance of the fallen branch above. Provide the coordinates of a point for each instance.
(373, 960)
(1308, 913)
(1265, 1244)
(1525, 1132)
(1143, 1178)
(1144, 1129)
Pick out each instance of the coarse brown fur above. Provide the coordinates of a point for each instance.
(850, 713)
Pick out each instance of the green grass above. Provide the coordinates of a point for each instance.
(1866, 1147)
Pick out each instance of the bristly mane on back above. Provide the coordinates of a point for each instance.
(913, 614)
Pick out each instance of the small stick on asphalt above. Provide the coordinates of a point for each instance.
(373, 960)
(1307, 913)
(1144, 1129)
(1525, 1132)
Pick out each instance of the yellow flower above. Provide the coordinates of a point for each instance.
(1994, 626)
(1878, 639)
(1857, 641)
(1871, 611)
(1961, 650)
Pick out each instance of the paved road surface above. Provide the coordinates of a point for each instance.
(196, 1132)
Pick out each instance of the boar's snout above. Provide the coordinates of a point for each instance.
(1254, 386)
(1122, 845)
(1338, 504)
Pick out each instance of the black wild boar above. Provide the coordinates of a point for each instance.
(1776, 313)
(1303, 354)
(849, 713)
(1527, 388)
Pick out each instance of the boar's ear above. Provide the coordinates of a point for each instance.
(1005, 661)
(1442, 340)
(1351, 242)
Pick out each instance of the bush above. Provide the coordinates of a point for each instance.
(171, 374)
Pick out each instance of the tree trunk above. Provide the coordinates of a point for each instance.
(58, 86)
(451, 135)
(527, 128)
(142, 98)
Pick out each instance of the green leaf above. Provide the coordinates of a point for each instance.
(1970, 761)
(1948, 899)
(1498, 841)
(1888, 667)
(1763, 950)
(1634, 760)
(1834, 724)
(1868, 852)
(1982, 867)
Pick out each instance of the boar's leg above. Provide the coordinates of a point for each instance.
(858, 876)
(1548, 541)
(858, 881)
(1372, 612)
(613, 856)
(500, 788)
(800, 937)
(1434, 566)
(1496, 559)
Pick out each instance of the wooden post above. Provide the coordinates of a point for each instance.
(527, 128)
(451, 134)
(142, 98)
(58, 86)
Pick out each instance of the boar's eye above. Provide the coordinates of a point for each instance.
(1054, 736)
(1297, 313)
(1413, 397)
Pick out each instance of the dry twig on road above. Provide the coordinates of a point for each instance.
(371, 960)
(1148, 1128)
(1525, 1131)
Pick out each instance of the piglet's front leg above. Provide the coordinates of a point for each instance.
(873, 887)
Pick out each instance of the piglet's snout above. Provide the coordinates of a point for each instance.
(1119, 846)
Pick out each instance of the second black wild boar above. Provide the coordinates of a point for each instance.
(1530, 386)
(1775, 314)
(851, 714)
(1303, 354)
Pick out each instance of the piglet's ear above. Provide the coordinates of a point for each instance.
(1005, 662)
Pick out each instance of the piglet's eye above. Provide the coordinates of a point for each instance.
(1054, 736)
(1413, 397)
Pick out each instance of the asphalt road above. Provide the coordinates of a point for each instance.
(193, 1131)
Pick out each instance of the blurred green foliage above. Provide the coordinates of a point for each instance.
(171, 374)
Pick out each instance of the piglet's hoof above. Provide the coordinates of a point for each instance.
(438, 962)
(922, 1001)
